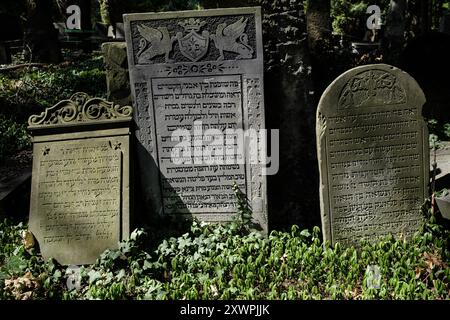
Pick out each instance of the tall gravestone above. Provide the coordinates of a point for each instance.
(80, 180)
(190, 67)
(373, 155)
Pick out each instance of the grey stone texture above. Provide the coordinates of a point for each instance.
(196, 66)
(80, 194)
(117, 77)
(373, 155)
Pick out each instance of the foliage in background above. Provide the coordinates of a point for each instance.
(28, 91)
(111, 11)
(442, 131)
(232, 262)
(349, 16)
(31, 90)
(13, 137)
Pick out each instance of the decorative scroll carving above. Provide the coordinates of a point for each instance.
(80, 108)
(254, 102)
(372, 88)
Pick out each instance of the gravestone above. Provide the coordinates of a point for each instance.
(117, 78)
(80, 178)
(120, 34)
(442, 158)
(197, 71)
(373, 155)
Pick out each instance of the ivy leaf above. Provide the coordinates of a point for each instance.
(305, 233)
(57, 275)
(120, 275)
(94, 276)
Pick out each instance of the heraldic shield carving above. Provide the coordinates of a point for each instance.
(194, 43)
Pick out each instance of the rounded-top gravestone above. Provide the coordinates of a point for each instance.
(373, 155)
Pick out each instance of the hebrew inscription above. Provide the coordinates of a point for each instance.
(373, 154)
(80, 181)
(199, 73)
(79, 195)
(196, 105)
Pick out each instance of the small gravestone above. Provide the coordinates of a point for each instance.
(442, 158)
(120, 34)
(443, 203)
(80, 179)
(196, 71)
(373, 155)
(117, 78)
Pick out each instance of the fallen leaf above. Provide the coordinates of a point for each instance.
(28, 240)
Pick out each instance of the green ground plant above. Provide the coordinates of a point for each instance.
(231, 261)
(13, 136)
(29, 90)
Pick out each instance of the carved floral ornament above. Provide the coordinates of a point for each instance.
(372, 88)
(80, 108)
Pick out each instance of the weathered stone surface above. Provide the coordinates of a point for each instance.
(80, 179)
(443, 165)
(201, 66)
(117, 78)
(373, 155)
(443, 203)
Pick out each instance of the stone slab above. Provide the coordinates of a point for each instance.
(373, 155)
(184, 68)
(80, 180)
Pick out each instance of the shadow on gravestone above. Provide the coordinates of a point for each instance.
(145, 210)
(292, 195)
(426, 58)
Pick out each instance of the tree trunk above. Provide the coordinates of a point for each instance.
(212, 4)
(85, 7)
(394, 36)
(425, 15)
(318, 22)
(105, 11)
(396, 20)
(41, 38)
